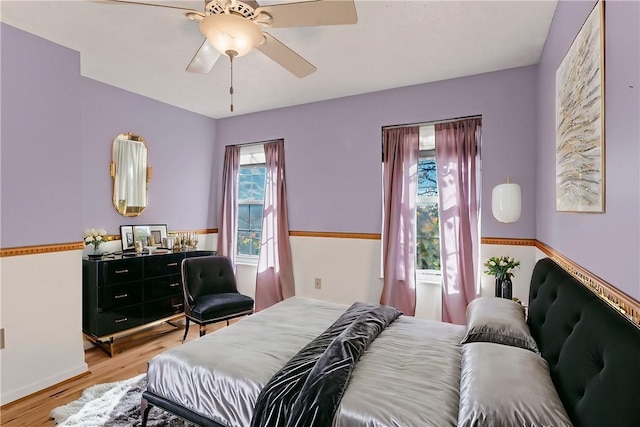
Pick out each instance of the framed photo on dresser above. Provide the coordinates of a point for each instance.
(126, 236)
(149, 234)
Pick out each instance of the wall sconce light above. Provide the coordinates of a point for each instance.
(506, 202)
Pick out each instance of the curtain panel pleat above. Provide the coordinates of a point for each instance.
(400, 151)
(229, 208)
(274, 280)
(456, 157)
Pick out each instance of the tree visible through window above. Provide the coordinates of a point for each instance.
(250, 207)
(427, 221)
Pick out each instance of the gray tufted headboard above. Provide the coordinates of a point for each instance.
(593, 352)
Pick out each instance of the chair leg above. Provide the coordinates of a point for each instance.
(203, 330)
(227, 322)
(186, 330)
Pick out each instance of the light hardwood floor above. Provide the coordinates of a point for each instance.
(131, 359)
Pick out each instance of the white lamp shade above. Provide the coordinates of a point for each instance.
(506, 202)
(231, 32)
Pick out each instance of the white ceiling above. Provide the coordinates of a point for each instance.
(395, 43)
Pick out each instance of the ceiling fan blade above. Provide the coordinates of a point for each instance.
(288, 59)
(311, 13)
(144, 4)
(204, 59)
(254, 4)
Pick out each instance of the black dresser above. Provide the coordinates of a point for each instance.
(123, 294)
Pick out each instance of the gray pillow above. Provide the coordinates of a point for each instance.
(500, 321)
(504, 386)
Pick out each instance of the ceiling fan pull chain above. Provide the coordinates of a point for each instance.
(231, 54)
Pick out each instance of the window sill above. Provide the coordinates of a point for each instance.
(428, 278)
(248, 261)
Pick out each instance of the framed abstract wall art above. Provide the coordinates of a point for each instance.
(580, 150)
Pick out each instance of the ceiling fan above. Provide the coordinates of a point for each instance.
(235, 27)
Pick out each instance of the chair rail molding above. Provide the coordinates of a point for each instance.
(41, 249)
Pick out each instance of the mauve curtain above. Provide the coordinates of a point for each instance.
(228, 211)
(456, 152)
(400, 151)
(274, 281)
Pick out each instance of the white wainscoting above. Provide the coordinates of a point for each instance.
(350, 271)
(41, 299)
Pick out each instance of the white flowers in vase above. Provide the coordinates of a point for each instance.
(501, 267)
(94, 236)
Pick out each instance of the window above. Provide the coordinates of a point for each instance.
(427, 221)
(251, 178)
(427, 206)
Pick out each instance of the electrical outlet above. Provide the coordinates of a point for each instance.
(318, 283)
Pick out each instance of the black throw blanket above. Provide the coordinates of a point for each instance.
(306, 392)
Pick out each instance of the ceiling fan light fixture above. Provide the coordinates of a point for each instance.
(227, 32)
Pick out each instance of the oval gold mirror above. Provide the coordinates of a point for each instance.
(131, 174)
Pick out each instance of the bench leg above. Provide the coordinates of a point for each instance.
(145, 407)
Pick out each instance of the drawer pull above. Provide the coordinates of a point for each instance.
(173, 285)
(121, 271)
(173, 264)
(124, 319)
(121, 296)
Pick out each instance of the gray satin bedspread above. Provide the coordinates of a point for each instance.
(409, 376)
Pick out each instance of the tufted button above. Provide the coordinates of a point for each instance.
(220, 273)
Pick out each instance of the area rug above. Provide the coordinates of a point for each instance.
(114, 404)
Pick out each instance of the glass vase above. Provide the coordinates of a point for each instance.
(506, 288)
(96, 252)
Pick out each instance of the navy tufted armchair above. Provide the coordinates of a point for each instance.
(210, 292)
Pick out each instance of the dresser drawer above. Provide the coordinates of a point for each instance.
(163, 265)
(161, 287)
(199, 253)
(163, 307)
(120, 271)
(121, 295)
(118, 320)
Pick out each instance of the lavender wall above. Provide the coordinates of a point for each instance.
(333, 147)
(57, 131)
(608, 245)
(41, 144)
(180, 152)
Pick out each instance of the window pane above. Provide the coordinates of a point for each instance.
(258, 182)
(255, 243)
(244, 187)
(428, 237)
(427, 184)
(255, 218)
(244, 243)
(243, 217)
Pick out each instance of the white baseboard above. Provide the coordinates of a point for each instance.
(11, 395)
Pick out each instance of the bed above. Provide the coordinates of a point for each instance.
(416, 372)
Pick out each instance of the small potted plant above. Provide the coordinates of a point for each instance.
(502, 268)
(95, 237)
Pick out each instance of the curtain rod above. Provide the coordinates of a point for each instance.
(248, 144)
(477, 116)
